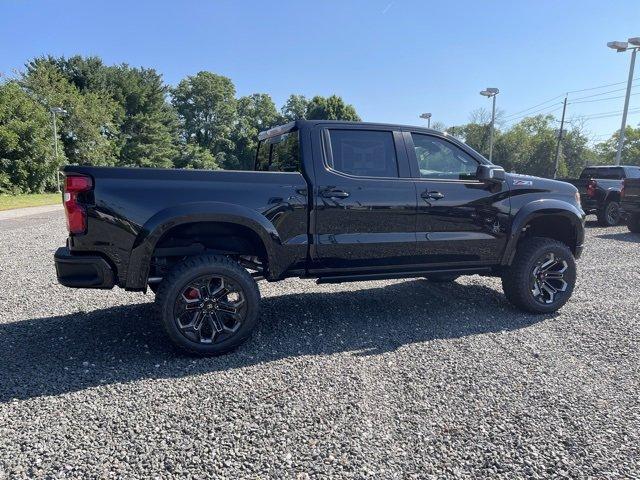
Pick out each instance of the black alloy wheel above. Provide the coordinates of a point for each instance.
(208, 305)
(210, 309)
(547, 278)
(541, 277)
(610, 215)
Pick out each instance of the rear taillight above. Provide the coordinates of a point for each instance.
(591, 188)
(74, 185)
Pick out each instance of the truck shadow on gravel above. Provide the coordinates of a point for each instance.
(57, 355)
(621, 236)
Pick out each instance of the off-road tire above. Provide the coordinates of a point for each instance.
(517, 278)
(441, 277)
(184, 273)
(609, 215)
(633, 223)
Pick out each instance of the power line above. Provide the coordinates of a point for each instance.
(601, 99)
(544, 110)
(516, 114)
(595, 116)
(601, 86)
(531, 108)
(603, 93)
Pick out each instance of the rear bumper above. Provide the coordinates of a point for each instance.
(82, 271)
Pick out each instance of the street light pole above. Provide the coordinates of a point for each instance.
(60, 111)
(493, 121)
(427, 117)
(491, 93)
(623, 47)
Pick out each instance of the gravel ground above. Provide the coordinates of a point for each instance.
(387, 379)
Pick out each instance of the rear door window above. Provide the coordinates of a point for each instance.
(606, 173)
(362, 153)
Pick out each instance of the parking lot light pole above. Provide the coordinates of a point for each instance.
(59, 111)
(623, 47)
(491, 93)
(427, 117)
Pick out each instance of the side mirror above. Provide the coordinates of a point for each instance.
(490, 173)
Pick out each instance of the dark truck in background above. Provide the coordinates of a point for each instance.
(335, 201)
(600, 188)
(631, 203)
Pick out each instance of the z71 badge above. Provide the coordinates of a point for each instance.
(523, 183)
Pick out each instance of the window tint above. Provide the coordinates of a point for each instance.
(633, 172)
(280, 154)
(440, 159)
(612, 173)
(363, 153)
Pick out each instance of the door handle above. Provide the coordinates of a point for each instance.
(432, 195)
(334, 194)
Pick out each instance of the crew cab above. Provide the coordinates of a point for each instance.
(335, 201)
(630, 204)
(600, 187)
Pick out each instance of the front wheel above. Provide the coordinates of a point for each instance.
(208, 305)
(610, 215)
(541, 277)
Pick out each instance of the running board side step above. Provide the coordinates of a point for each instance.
(363, 277)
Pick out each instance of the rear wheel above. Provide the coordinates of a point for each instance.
(441, 277)
(610, 215)
(208, 305)
(633, 224)
(541, 277)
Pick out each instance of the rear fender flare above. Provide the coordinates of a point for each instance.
(153, 230)
(541, 208)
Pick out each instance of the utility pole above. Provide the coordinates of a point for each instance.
(564, 109)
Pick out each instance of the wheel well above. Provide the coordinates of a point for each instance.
(197, 238)
(551, 226)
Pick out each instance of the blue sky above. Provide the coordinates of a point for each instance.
(391, 59)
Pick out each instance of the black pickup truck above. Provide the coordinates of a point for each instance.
(630, 204)
(600, 188)
(335, 201)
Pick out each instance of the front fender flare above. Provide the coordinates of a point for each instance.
(161, 222)
(540, 208)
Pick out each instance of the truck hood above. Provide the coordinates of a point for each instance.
(529, 182)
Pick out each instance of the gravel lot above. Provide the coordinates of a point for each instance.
(387, 379)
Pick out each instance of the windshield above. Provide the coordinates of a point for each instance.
(279, 154)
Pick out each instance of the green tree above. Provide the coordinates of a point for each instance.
(295, 108)
(256, 113)
(193, 155)
(89, 131)
(575, 151)
(149, 130)
(206, 105)
(26, 150)
(529, 147)
(331, 108)
(606, 151)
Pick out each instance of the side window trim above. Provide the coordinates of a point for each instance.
(327, 151)
(413, 158)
